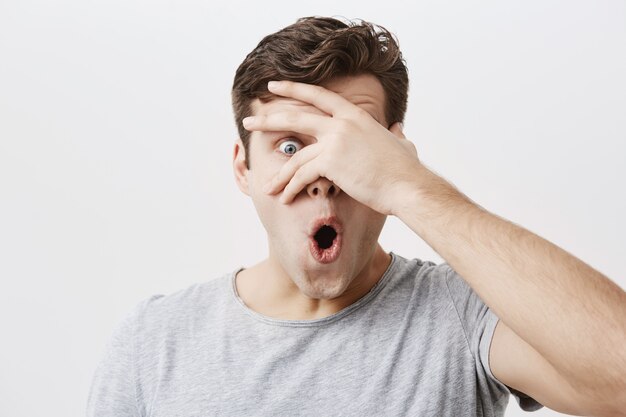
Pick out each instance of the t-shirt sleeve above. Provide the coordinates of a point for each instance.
(113, 389)
(479, 323)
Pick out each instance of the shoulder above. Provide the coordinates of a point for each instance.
(422, 279)
(164, 313)
(415, 268)
(425, 275)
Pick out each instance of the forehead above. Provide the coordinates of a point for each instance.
(364, 91)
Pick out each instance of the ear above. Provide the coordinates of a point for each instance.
(239, 166)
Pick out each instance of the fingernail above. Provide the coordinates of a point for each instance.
(272, 84)
(247, 121)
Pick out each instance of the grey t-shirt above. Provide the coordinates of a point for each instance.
(417, 344)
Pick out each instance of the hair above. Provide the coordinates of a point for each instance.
(315, 50)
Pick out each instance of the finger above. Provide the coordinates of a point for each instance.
(289, 121)
(322, 98)
(304, 176)
(396, 129)
(287, 171)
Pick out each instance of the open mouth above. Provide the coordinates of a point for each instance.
(325, 236)
(325, 243)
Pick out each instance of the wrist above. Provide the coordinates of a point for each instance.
(427, 196)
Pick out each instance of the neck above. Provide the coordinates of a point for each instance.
(267, 289)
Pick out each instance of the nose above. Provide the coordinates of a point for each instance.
(322, 187)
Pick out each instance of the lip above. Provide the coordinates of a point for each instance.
(333, 221)
(331, 254)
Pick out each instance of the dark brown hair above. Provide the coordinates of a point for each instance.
(315, 50)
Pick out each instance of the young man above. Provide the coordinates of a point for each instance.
(330, 323)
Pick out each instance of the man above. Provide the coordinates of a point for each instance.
(330, 323)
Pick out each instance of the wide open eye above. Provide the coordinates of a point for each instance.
(288, 147)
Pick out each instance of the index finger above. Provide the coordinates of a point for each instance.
(322, 98)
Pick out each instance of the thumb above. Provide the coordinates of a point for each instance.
(396, 129)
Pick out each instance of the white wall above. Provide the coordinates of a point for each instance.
(116, 138)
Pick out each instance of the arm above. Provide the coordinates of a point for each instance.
(530, 283)
(571, 314)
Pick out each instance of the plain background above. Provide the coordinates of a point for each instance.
(117, 135)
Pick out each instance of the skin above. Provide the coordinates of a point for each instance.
(578, 364)
(290, 283)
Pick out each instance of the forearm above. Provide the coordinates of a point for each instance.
(570, 313)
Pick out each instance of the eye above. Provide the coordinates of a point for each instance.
(288, 147)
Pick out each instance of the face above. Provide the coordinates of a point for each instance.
(288, 225)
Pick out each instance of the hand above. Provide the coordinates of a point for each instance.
(370, 163)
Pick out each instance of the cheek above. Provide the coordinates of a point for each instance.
(271, 212)
(376, 223)
(267, 211)
(371, 222)
(279, 223)
(263, 173)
